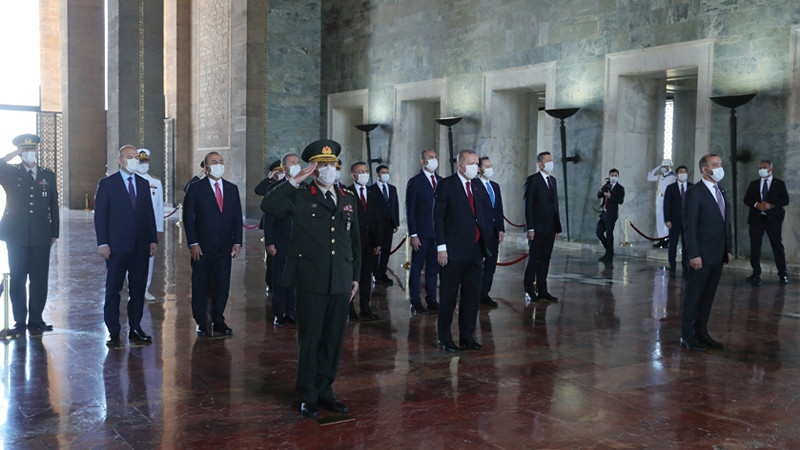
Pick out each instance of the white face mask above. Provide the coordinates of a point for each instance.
(217, 170)
(131, 165)
(363, 178)
(281, 176)
(471, 171)
(682, 177)
(338, 175)
(327, 175)
(433, 164)
(294, 170)
(385, 177)
(717, 174)
(613, 180)
(763, 173)
(488, 172)
(664, 170)
(143, 168)
(548, 166)
(28, 157)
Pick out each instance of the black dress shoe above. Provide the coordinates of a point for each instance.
(470, 345)
(417, 308)
(486, 300)
(783, 279)
(222, 328)
(310, 410)
(383, 279)
(449, 346)
(139, 335)
(548, 297)
(279, 321)
(433, 305)
(692, 345)
(530, 295)
(204, 330)
(754, 279)
(368, 314)
(290, 319)
(113, 340)
(709, 341)
(40, 327)
(333, 405)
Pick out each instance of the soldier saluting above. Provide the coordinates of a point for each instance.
(323, 266)
(29, 227)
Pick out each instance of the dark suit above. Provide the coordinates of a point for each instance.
(216, 232)
(419, 217)
(389, 218)
(261, 189)
(708, 236)
(541, 215)
(29, 225)
(492, 239)
(278, 232)
(609, 216)
(770, 221)
(457, 227)
(128, 231)
(673, 212)
(324, 260)
(370, 236)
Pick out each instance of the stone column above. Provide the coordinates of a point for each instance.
(136, 79)
(84, 122)
(178, 89)
(50, 55)
(683, 136)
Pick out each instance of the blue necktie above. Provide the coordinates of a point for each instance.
(764, 191)
(491, 192)
(131, 192)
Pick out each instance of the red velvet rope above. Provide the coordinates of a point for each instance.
(645, 236)
(508, 263)
(250, 228)
(512, 224)
(173, 212)
(398, 246)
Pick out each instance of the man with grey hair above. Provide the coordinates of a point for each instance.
(540, 196)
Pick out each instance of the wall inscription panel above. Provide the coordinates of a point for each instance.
(212, 73)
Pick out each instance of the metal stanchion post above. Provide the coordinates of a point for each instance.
(180, 215)
(627, 243)
(7, 333)
(407, 265)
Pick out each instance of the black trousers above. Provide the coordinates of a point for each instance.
(283, 298)
(426, 256)
(540, 249)
(466, 277)
(676, 234)
(26, 263)
(382, 262)
(489, 267)
(321, 323)
(135, 265)
(368, 260)
(269, 275)
(217, 267)
(701, 286)
(605, 232)
(757, 230)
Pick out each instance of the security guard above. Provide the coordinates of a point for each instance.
(323, 266)
(157, 196)
(29, 227)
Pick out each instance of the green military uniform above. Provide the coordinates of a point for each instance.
(323, 261)
(29, 224)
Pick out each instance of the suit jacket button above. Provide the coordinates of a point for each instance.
(333, 217)
(299, 255)
(31, 211)
(333, 241)
(333, 252)
(333, 229)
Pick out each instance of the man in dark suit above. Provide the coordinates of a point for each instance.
(613, 194)
(212, 220)
(707, 224)
(766, 199)
(274, 175)
(388, 218)
(369, 227)
(323, 266)
(493, 239)
(277, 234)
(462, 220)
(544, 226)
(419, 218)
(126, 238)
(29, 227)
(673, 217)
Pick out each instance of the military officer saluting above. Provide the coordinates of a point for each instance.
(157, 196)
(29, 227)
(323, 266)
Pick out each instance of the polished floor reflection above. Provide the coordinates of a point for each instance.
(601, 368)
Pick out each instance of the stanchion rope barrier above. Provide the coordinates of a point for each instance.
(399, 245)
(512, 224)
(508, 263)
(173, 212)
(645, 236)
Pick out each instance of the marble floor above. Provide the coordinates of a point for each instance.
(600, 368)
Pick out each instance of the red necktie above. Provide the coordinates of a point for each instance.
(433, 180)
(472, 204)
(363, 200)
(219, 195)
(683, 191)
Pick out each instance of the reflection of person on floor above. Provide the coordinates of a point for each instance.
(664, 177)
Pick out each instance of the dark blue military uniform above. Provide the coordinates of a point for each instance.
(29, 225)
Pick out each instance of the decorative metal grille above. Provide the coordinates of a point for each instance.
(48, 127)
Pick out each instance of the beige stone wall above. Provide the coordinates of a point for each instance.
(50, 57)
